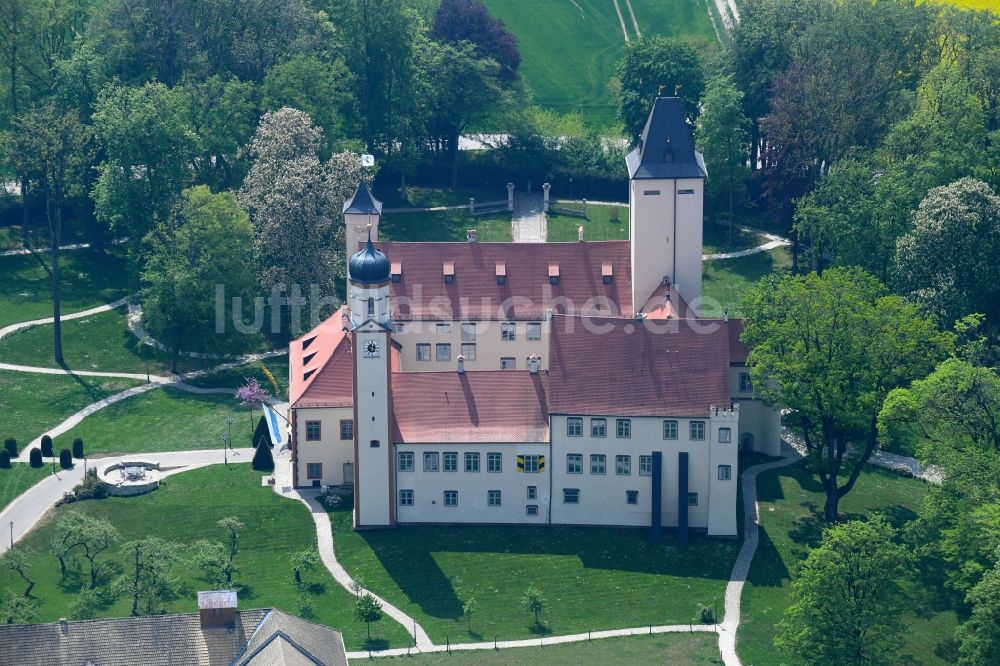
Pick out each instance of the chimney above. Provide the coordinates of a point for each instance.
(533, 364)
(461, 364)
(725, 315)
(579, 233)
(64, 626)
(217, 608)
(471, 236)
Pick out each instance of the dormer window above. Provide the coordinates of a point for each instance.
(501, 273)
(449, 272)
(607, 273)
(307, 342)
(397, 271)
(553, 274)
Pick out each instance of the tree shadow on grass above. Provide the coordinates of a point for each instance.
(767, 569)
(376, 644)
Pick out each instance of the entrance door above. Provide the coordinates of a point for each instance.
(348, 474)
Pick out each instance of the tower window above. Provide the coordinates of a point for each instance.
(371, 306)
(681, 192)
(374, 444)
(651, 193)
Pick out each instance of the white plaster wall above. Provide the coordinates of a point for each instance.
(330, 450)
(722, 508)
(428, 487)
(690, 219)
(371, 379)
(602, 498)
(489, 346)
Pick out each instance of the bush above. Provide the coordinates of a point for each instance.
(333, 501)
(707, 615)
(35, 458)
(4, 459)
(90, 488)
(263, 461)
(11, 445)
(65, 459)
(77, 448)
(47, 446)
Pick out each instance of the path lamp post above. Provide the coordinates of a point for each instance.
(12, 534)
(715, 600)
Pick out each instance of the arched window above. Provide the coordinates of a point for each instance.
(371, 306)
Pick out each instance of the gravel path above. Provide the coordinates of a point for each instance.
(529, 224)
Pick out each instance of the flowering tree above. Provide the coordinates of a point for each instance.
(252, 395)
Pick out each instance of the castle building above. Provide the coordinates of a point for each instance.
(534, 383)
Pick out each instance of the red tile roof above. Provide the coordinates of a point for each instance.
(527, 292)
(484, 406)
(658, 307)
(320, 366)
(637, 368)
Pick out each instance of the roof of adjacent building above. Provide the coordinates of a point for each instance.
(638, 367)
(167, 640)
(321, 366)
(494, 406)
(526, 291)
(363, 202)
(666, 145)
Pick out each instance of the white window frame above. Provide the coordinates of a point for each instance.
(404, 466)
(490, 495)
(571, 492)
(536, 460)
(623, 465)
(424, 354)
(533, 331)
(623, 428)
(746, 383)
(508, 363)
(631, 495)
(403, 495)
(532, 492)
(491, 458)
(601, 423)
(700, 427)
(645, 465)
(508, 331)
(725, 435)
(599, 462)
(451, 498)
(449, 459)
(574, 463)
(531, 510)
(469, 351)
(442, 347)
(574, 426)
(434, 459)
(725, 472)
(670, 427)
(469, 331)
(473, 458)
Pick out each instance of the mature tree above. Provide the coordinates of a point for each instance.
(848, 598)
(723, 136)
(149, 148)
(830, 348)
(322, 89)
(304, 562)
(16, 608)
(78, 530)
(963, 217)
(222, 113)
(149, 578)
(251, 394)
(467, 89)
(206, 242)
(211, 558)
(19, 560)
(367, 609)
(980, 634)
(54, 149)
(533, 602)
(657, 66)
(470, 20)
(232, 525)
(295, 203)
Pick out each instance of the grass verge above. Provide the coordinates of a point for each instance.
(602, 223)
(17, 479)
(724, 281)
(445, 225)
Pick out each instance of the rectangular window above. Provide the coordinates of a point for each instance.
(406, 461)
(598, 427)
(574, 426)
(471, 462)
(531, 510)
(725, 472)
(725, 435)
(574, 463)
(405, 498)
(631, 496)
(571, 495)
(598, 463)
(651, 193)
(423, 351)
(451, 498)
(746, 386)
(469, 351)
(508, 332)
(314, 470)
(623, 465)
(430, 462)
(442, 328)
(449, 462)
(442, 351)
(494, 462)
(623, 428)
(532, 464)
(532, 492)
(698, 430)
(534, 331)
(312, 431)
(670, 430)
(469, 332)
(645, 465)
(508, 363)
(374, 443)
(493, 497)
(347, 429)
(683, 192)
(692, 499)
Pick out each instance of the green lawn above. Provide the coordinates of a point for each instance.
(428, 197)
(715, 238)
(681, 649)
(185, 509)
(791, 502)
(163, 419)
(603, 223)
(236, 376)
(31, 404)
(569, 50)
(726, 280)
(17, 479)
(591, 578)
(446, 225)
(89, 279)
(100, 342)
